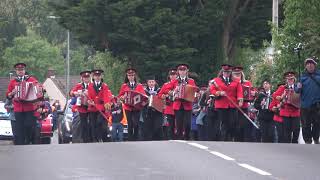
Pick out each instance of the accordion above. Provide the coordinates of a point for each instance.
(292, 98)
(186, 92)
(82, 100)
(28, 91)
(156, 103)
(135, 99)
(247, 95)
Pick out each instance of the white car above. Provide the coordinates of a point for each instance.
(5, 123)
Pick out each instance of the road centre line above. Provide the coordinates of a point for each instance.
(222, 156)
(225, 157)
(254, 169)
(199, 146)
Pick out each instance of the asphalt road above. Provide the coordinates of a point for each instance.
(160, 160)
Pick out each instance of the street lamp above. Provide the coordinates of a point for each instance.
(68, 60)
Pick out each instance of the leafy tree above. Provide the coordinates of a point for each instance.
(36, 52)
(301, 25)
(113, 70)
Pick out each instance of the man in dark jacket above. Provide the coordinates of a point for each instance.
(309, 87)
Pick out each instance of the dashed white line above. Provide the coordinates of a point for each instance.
(181, 141)
(254, 169)
(222, 156)
(198, 146)
(225, 157)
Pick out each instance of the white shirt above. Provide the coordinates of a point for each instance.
(21, 78)
(226, 79)
(97, 83)
(268, 92)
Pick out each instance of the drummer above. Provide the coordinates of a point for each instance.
(133, 115)
(182, 108)
(23, 111)
(289, 113)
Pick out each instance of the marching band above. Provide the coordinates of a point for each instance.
(229, 108)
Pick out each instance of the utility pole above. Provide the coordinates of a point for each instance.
(275, 13)
(68, 66)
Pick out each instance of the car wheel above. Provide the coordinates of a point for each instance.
(46, 140)
(59, 140)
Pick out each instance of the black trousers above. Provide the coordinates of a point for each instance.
(85, 127)
(244, 128)
(169, 128)
(291, 129)
(133, 125)
(153, 125)
(280, 131)
(213, 125)
(183, 123)
(267, 131)
(310, 119)
(25, 127)
(228, 123)
(97, 127)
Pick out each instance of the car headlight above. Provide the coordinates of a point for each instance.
(67, 126)
(68, 118)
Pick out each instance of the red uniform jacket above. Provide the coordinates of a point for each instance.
(178, 102)
(17, 105)
(126, 87)
(79, 86)
(233, 90)
(169, 104)
(276, 116)
(100, 96)
(286, 110)
(249, 84)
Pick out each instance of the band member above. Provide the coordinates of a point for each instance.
(289, 113)
(244, 127)
(278, 120)
(265, 116)
(229, 95)
(168, 113)
(309, 88)
(23, 111)
(133, 115)
(80, 91)
(152, 118)
(99, 100)
(182, 108)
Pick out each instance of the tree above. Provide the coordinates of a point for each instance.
(37, 53)
(150, 35)
(114, 72)
(301, 25)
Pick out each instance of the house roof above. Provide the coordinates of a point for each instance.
(60, 82)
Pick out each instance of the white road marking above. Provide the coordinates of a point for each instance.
(181, 141)
(222, 156)
(198, 146)
(225, 157)
(254, 169)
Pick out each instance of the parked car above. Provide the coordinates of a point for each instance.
(5, 123)
(46, 129)
(65, 125)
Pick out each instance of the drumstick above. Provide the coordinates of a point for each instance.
(105, 116)
(236, 105)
